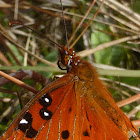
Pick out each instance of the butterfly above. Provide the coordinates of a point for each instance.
(77, 106)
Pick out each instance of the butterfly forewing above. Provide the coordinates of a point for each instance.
(39, 111)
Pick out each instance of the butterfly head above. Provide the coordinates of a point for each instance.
(68, 58)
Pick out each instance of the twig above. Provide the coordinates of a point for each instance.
(107, 45)
(18, 82)
(129, 100)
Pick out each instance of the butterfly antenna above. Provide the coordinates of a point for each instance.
(64, 23)
(13, 23)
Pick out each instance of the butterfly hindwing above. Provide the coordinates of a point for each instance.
(112, 110)
(102, 124)
(104, 114)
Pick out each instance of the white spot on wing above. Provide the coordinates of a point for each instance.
(47, 100)
(46, 114)
(23, 121)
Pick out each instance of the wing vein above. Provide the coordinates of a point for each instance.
(59, 126)
(49, 129)
(74, 127)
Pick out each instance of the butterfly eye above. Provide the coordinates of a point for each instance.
(67, 59)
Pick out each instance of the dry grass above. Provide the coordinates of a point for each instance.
(111, 41)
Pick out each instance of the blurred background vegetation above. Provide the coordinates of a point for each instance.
(111, 44)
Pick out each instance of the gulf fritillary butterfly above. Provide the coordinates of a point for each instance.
(77, 106)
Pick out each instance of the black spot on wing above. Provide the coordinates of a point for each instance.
(46, 100)
(85, 133)
(25, 125)
(87, 116)
(45, 114)
(31, 133)
(65, 134)
(90, 127)
(70, 109)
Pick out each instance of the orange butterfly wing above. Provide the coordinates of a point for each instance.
(107, 120)
(75, 107)
(35, 118)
